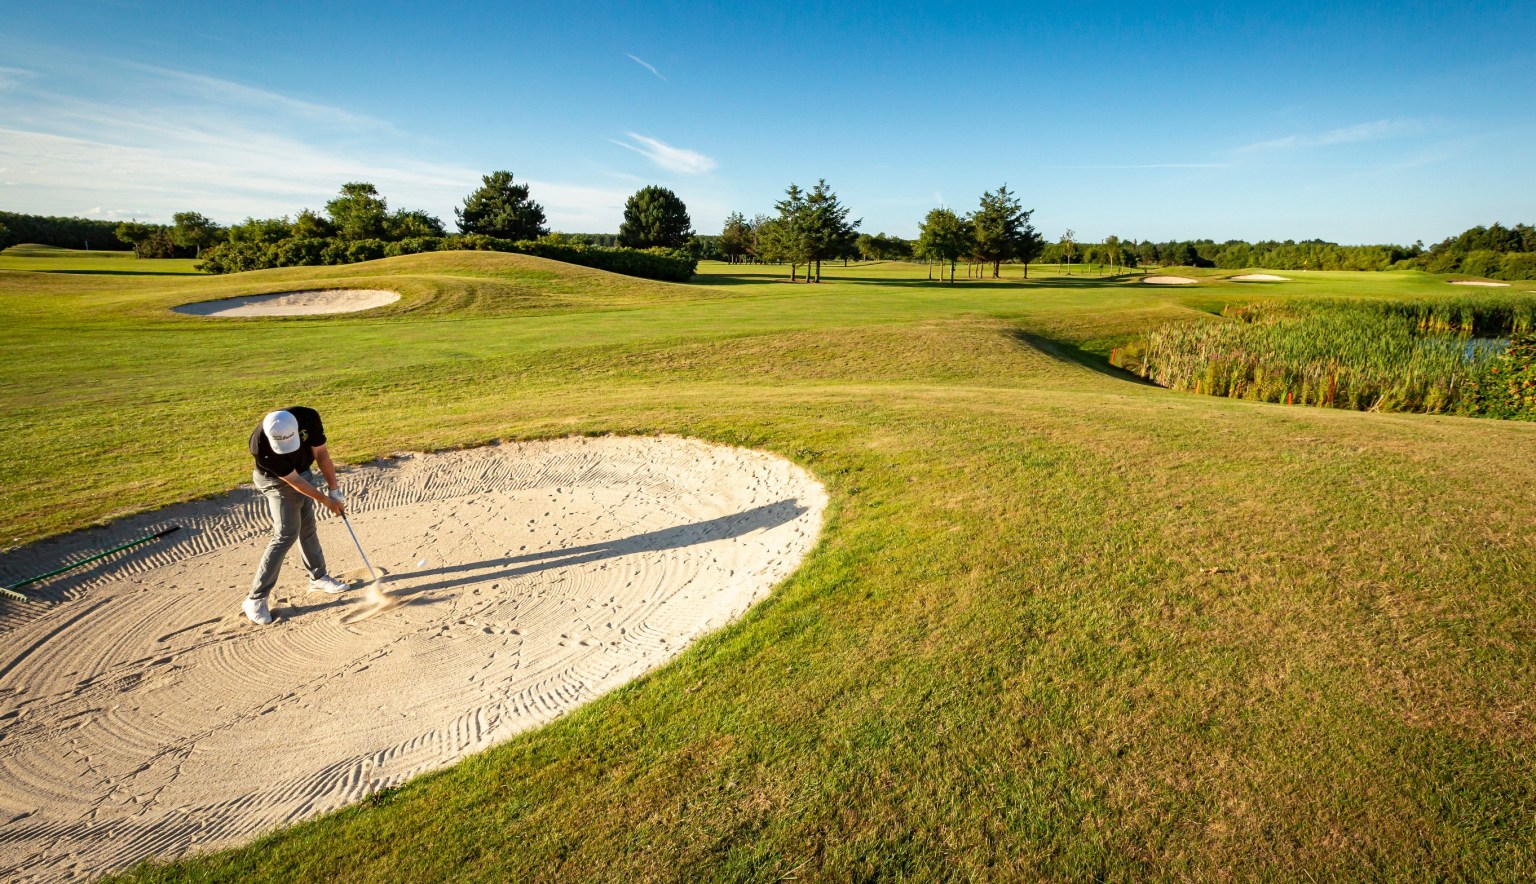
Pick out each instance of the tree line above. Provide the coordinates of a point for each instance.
(65, 233)
(806, 228)
(500, 215)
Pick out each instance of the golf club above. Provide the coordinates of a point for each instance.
(371, 573)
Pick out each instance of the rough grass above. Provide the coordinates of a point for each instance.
(1061, 624)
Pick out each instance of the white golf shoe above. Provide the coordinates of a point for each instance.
(327, 584)
(256, 610)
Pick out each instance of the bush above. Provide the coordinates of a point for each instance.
(364, 250)
(668, 265)
(1482, 263)
(299, 253)
(1506, 386)
(1519, 265)
(413, 245)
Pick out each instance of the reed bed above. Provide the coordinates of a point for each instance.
(1379, 356)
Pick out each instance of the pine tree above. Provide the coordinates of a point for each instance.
(827, 232)
(502, 209)
(655, 217)
(787, 236)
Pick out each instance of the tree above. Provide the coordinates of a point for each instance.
(735, 238)
(1069, 244)
(501, 209)
(771, 242)
(826, 232)
(788, 240)
(5, 237)
(881, 247)
(193, 231)
(310, 225)
(655, 217)
(945, 237)
(359, 212)
(760, 247)
(137, 235)
(405, 224)
(1002, 231)
(261, 230)
(1112, 250)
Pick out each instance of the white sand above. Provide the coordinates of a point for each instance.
(1492, 285)
(1168, 280)
(1260, 277)
(293, 303)
(143, 715)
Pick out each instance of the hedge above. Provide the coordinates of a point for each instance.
(235, 257)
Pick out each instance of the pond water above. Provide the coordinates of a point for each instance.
(1487, 346)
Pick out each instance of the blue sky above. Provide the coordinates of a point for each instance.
(1350, 122)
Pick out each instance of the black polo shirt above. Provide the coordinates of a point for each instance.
(311, 433)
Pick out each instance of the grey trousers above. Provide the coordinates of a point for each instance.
(293, 518)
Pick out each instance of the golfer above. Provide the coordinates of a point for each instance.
(286, 444)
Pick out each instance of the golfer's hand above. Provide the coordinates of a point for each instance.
(334, 506)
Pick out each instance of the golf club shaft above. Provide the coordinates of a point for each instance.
(348, 523)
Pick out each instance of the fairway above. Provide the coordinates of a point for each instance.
(1059, 622)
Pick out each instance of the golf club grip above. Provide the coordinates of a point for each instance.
(171, 530)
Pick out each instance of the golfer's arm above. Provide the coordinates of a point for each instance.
(304, 487)
(323, 457)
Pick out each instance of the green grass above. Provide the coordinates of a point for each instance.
(52, 259)
(1061, 624)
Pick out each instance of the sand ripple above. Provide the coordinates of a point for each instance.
(143, 716)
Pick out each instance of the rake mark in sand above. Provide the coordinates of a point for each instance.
(145, 717)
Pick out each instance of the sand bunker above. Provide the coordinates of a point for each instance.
(1169, 280)
(144, 716)
(293, 303)
(1260, 277)
(1492, 285)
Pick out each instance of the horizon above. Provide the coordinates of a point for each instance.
(1357, 124)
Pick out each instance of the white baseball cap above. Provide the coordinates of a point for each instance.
(282, 430)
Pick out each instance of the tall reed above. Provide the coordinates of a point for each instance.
(1356, 354)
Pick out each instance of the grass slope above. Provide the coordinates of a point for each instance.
(1061, 623)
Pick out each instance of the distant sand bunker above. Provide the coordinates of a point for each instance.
(1169, 280)
(1260, 277)
(293, 303)
(1492, 285)
(142, 715)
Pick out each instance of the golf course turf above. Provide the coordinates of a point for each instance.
(1060, 624)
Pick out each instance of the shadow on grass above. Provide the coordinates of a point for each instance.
(122, 272)
(1075, 355)
(960, 282)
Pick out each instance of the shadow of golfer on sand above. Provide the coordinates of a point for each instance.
(735, 525)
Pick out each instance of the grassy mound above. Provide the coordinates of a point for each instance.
(1062, 623)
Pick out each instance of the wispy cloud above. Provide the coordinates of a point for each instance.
(191, 142)
(10, 78)
(647, 65)
(216, 89)
(1371, 131)
(673, 159)
(1145, 166)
